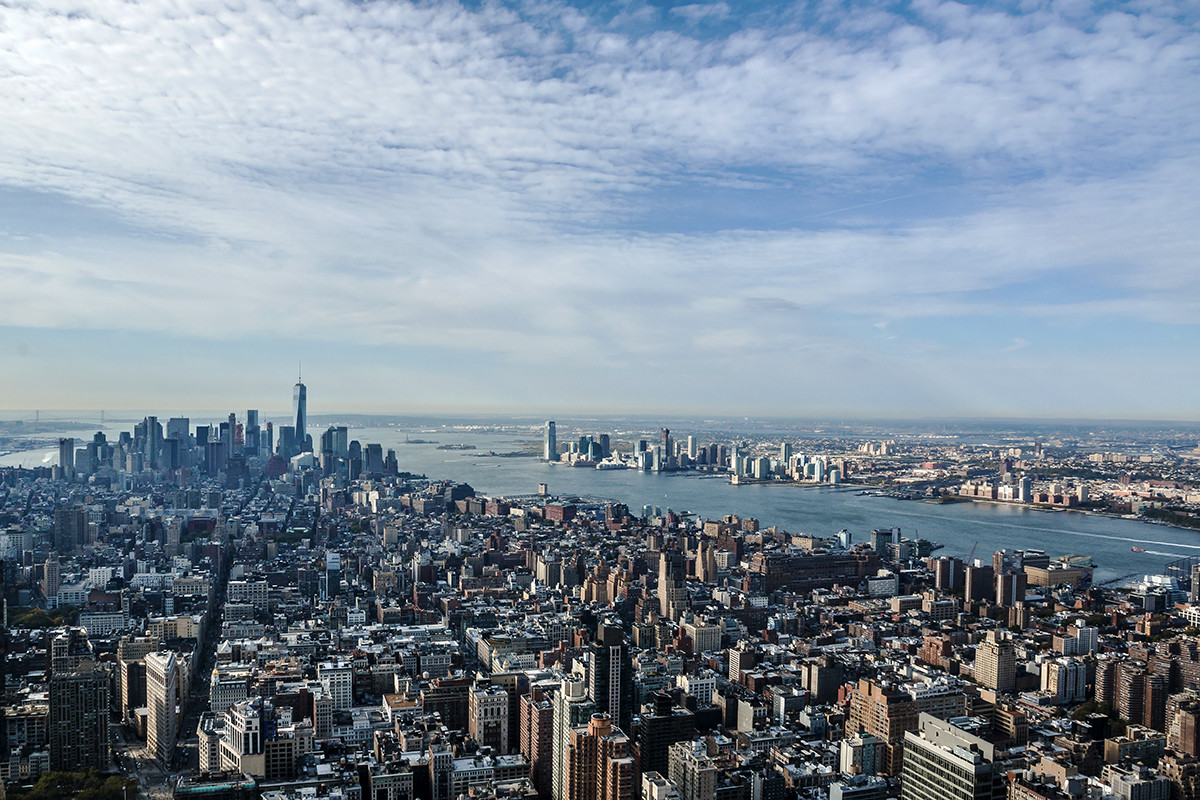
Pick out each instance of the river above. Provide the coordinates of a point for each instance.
(962, 528)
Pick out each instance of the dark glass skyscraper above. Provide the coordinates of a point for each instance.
(300, 407)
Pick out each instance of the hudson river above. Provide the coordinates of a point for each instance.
(821, 511)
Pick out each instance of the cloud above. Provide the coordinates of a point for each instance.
(700, 12)
(519, 183)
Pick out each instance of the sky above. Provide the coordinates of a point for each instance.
(913, 209)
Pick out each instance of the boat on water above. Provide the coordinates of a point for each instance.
(1138, 549)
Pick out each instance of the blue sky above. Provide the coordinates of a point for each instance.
(915, 209)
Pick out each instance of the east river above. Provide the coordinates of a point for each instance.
(821, 511)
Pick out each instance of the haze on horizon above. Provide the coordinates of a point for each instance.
(866, 210)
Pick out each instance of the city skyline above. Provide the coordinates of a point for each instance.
(923, 210)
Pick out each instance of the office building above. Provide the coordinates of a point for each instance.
(253, 433)
(70, 529)
(162, 699)
(79, 710)
(672, 589)
(550, 451)
(662, 727)
(51, 577)
(610, 673)
(487, 714)
(948, 760)
(300, 414)
(66, 457)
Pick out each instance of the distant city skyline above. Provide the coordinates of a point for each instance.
(867, 211)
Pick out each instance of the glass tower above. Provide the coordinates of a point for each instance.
(300, 407)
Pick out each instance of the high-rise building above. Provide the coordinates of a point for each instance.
(70, 529)
(599, 764)
(1065, 679)
(253, 432)
(216, 456)
(672, 590)
(550, 451)
(373, 459)
(51, 577)
(949, 761)
(665, 725)
(300, 413)
(341, 441)
(162, 699)
(78, 727)
(287, 440)
(610, 673)
(338, 679)
(693, 770)
(131, 672)
(153, 441)
(996, 662)
(537, 734)
(1010, 588)
(487, 713)
(66, 457)
(255, 742)
(979, 582)
(887, 710)
(571, 709)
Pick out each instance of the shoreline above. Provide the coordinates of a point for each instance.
(1061, 509)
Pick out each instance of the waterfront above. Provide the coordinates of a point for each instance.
(822, 511)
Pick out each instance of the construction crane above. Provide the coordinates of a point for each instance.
(971, 557)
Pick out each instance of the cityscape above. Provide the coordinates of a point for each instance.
(599, 400)
(248, 609)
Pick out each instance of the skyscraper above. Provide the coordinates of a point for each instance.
(66, 457)
(78, 727)
(162, 695)
(153, 442)
(551, 449)
(672, 591)
(300, 407)
(253, 432)
(610, 673)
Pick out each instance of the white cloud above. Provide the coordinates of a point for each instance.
(429, 175)
(699, 12)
